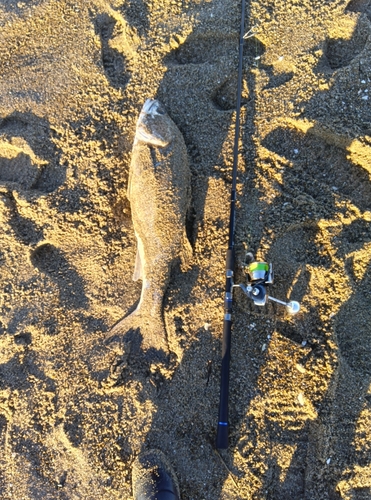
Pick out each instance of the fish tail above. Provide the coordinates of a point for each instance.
(149, 333)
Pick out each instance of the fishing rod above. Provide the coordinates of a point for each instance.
(259, 274)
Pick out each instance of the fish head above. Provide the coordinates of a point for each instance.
(154, 125)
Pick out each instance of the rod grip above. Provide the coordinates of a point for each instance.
(222, 429)
(222, 437)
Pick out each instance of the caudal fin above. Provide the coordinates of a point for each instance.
(149, 332)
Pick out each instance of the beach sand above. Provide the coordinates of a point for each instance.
(74, 414)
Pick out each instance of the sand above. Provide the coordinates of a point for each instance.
(73, 414)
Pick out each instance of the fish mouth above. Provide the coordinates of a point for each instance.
(147, 106)
(154, 125)
(153, 107)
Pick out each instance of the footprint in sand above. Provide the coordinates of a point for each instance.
(361, 6)
(19, 7)
(277, 76)
(113, 61)
(28, 159)
(51, 261)
(137, 14)
(203, 48)
(346, 40)
(353, 320)
(213, 48)
(224, 98)
(19, 164)
(25, 229)
(330, 172)
(73, 426)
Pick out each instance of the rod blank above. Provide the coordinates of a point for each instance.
(222, 428)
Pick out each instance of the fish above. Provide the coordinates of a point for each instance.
(159, 192)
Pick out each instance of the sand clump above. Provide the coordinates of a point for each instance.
(73, 414)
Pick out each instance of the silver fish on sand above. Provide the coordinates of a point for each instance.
(159, 191)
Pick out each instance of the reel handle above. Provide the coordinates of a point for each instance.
(292, 307)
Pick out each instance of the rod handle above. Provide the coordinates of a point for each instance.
(222, 429)
(222, 436)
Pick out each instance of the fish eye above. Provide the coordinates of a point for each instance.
(160, 110)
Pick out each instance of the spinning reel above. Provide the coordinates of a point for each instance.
(259, 275)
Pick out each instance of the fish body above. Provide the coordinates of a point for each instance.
(159, 191)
